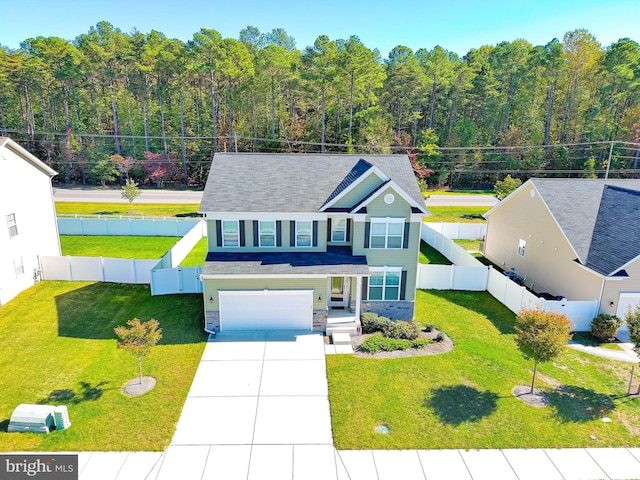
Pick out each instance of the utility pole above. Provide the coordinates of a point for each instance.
(606, 174)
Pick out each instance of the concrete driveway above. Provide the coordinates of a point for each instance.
(258, 408)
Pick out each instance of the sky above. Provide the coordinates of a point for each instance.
(456, 25)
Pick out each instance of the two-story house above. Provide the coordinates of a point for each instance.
(295, 240)
(28, 226)
(573, 238)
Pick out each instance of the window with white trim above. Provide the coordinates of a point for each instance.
(12, 224)
(522, 245)
(384, 284)
(304, 233)
(386, 233)
(267, 233)
(339, 230)
(19, 266)
(230, 233)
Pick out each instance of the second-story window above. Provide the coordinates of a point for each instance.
(230, 233)
(303, 233)
(386, 232)
(12, 224)
(267, 233)
(339, 230)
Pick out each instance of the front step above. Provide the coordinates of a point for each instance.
(350, 328)
(341, 338)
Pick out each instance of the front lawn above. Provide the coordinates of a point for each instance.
(456, 214)
(151, 209)
(59, 348)
(462, 399)
(197, 255)
(142, 248)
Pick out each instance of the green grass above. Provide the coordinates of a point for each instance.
(463, 399)
(59, 348)
(460, 192)
(585, 338)
(428, 254)
(141, 248)
(456, 214)
(469, 245)
(197, 255)
(152, 209)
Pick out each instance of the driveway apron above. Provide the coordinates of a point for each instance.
(258, 402)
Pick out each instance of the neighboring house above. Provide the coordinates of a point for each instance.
(28, 226)
(574, 238)
(296, 240)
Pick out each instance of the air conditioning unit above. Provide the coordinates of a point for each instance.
(61, 417)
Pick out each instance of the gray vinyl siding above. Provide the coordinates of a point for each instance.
(360, 191)
(318, 285)
(286, 234)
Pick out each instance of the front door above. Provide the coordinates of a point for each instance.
(339, 292)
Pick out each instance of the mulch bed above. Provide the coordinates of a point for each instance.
(433, 348)
(134, 388)
(537, 399)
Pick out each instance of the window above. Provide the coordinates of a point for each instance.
(303, 233)
(230, 233)
(19, 266)
(339, 230)
(386, 233)
(521, 247)
(385, 284)
(267, 233)
(13, 226)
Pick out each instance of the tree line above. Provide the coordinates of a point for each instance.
(143, 97)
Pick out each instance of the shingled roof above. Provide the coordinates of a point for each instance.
(258, 182)
(600, 218)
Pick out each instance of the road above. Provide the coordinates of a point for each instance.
(176, 196)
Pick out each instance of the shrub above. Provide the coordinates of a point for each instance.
(429, 327)
(376, 343)
(401, 330)
(420, 342)
(372, 322)
(604, 326)
(439, 337)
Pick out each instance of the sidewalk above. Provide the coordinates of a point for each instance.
(538, 464)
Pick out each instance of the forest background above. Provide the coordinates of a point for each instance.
(111, 105)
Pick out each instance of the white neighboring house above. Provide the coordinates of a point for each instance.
(28, 226)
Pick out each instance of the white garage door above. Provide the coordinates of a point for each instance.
(266, 310)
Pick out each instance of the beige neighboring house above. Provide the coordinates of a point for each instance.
(574, 238)
(28, 226)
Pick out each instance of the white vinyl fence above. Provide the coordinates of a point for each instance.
(97, 269)
(164, 275)
(169, 277)
(126, 226)
(468, 273)
(463, 231)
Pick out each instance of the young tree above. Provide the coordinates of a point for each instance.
(104, 172)
(503, 188)
(139, 338)
(130, 191)
(540, 336)
(633, 322)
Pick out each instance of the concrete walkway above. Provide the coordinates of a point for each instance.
(625, 355)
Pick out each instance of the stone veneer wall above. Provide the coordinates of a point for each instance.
(401, 310)
(212, 321)
(319, 320)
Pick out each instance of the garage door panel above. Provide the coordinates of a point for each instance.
(266, 310)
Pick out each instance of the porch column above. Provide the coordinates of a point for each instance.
(358, 296)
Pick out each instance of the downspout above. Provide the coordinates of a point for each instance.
(604, 280)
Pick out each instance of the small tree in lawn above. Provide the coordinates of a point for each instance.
(633, 322)
(130, 191)
(503, 188)
(541, 336)
(139, 338)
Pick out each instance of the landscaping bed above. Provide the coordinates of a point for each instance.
(431, 348)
